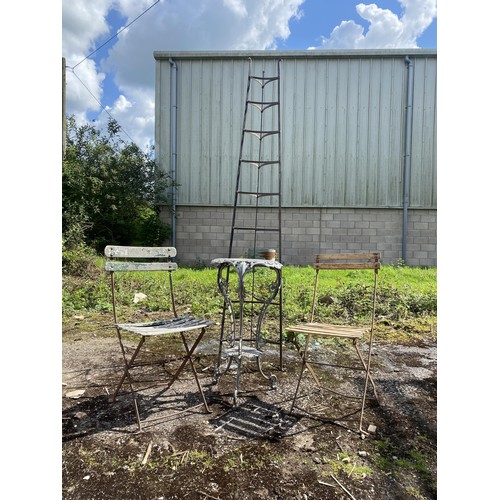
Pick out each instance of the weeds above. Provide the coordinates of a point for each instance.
(347, 464)
(406, 302)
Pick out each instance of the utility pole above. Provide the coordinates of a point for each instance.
(63, 107)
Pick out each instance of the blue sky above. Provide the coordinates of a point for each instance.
(321, 16)
(118, 79)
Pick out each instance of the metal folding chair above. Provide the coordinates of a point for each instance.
(156, 259)
(324, 262)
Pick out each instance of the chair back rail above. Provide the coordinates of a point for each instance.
(121, 260)
(123, 252)
(346, 261)
(140, 266)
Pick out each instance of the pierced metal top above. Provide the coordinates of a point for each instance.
(250, 263)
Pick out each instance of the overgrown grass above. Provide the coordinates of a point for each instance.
(407, 296)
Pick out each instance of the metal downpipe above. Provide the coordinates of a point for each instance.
(173, 146)
(407, 156)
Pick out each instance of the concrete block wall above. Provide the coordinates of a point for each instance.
(203, 233)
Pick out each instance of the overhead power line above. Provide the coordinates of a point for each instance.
(103, 108)
(116, 34)
(72, 68)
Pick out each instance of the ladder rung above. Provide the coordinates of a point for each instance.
(257, 194)
(256, 228)
(263, 80)
(259, 164)
(261, 133)
(262, 106)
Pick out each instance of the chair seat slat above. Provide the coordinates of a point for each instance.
(161, 327)
(329, 330)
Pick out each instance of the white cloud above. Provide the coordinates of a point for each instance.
(386, 30)
(237, 6)
(135, 114)
(170, 25)
(178, 25)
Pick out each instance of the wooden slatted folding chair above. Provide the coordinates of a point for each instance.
(159, 259)
(324, 262)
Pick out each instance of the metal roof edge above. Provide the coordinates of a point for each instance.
(292, 54)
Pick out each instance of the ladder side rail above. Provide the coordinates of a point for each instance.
(280, 298)
(238, 174)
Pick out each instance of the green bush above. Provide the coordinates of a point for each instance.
(79, 260)
(111, 190)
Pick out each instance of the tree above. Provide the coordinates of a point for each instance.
(111, 190)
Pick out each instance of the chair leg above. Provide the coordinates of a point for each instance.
(367, 372)
(303, 355)
(126, 375)
(128, 365)
(187, 357)
(307, 365)
(237, 381)
(193, 368)
(367, 377)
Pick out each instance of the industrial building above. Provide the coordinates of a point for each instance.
(357, 141)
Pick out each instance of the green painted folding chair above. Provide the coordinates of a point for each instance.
(151, 259)
(318, 330)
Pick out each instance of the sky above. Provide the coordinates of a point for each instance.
(108, 45)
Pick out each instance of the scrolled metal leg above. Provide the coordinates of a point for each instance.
(237, 383)
(271, 377)
(218, 372)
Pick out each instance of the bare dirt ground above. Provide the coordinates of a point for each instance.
(257, 450)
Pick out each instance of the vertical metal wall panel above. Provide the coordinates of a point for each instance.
(373, 162)
(343, 119)
(423, 158)
(210, 106)
(162, 114)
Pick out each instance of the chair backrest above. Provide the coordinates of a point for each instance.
(134, 258)
(340, 261)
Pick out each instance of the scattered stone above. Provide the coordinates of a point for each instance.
(86, 478)
(139, 297)
(363, 453)
(372, 429)
(213, 486)
(326, 299)
(75, 394)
